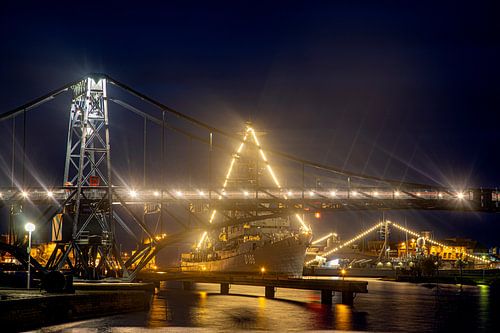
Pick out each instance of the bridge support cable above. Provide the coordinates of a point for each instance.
(39, 101)
(320, 166)
(162, 169)
(166, 125)
(212, 129)
(210, 184)
(23, 165)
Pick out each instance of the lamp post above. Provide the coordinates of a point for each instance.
(29, 227)
(343, 272)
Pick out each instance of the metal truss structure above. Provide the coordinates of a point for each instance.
(92, 246)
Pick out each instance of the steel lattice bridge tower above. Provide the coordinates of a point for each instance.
(84, 211)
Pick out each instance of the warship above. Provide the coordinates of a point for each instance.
(274, 246)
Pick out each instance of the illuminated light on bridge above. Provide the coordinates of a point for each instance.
(179, 193)
(354, 193)
(317, 215)
(397, 194)
(201, 193)
(375, 193)
(133, 193)
(246, 194)
(25, 194)
(50, 194)
(440, 195)
(311, 193)
(156, 193)
(460, 195)
(333, 193)
(159, 237)
(290, 193)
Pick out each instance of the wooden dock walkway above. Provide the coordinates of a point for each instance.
(348, 288)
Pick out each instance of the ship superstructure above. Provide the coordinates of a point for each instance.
(272, 245)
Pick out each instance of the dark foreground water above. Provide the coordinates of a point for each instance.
(388, 307)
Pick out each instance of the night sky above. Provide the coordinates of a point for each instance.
(395, 89)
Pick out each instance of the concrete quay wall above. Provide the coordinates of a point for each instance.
(17, 314)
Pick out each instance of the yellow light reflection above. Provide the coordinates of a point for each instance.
(343, 317)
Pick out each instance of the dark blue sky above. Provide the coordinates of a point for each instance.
(389, 89)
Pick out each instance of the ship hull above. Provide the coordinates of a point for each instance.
(285, 257)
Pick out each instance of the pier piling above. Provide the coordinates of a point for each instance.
(224, 288)
(326, 296)
(270, 290)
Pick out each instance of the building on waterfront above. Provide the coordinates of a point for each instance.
(454, 249)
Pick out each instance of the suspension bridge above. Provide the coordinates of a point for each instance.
(86, 209)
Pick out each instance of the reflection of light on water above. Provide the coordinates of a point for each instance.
(261, 312)
(262, 303)
(343, 317)
(157, 312)
(484, 302)
(202, 307)
(205, 309)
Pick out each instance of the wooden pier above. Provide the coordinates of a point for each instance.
(348, 288)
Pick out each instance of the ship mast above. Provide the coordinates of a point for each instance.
(248, 163)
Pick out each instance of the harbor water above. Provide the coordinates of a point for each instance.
(388, 307)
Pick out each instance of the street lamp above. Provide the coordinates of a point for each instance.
(343, 272)
(29, 227)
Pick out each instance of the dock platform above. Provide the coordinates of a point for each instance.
(348, 288)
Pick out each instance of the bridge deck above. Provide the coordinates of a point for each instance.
(272, 199)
